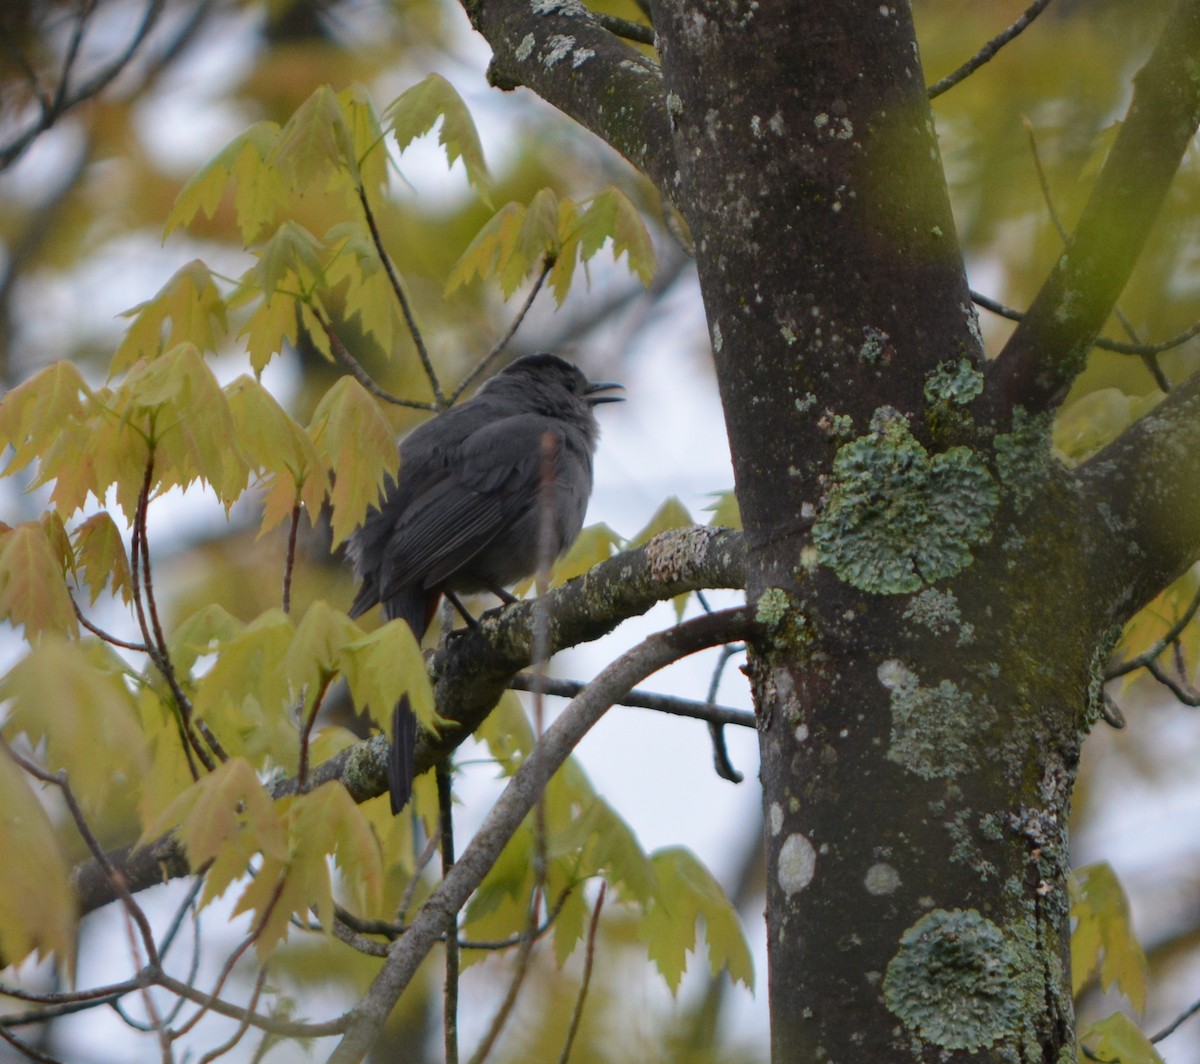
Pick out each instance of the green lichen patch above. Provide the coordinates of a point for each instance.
(1023, 457)
(898, 518)
(934, 729)
(954, 981)
(938, 611)
(772, 607)
(954, 382)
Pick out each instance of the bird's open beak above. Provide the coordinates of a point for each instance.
(603, 386)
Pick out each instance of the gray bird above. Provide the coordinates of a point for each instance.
(468, 510)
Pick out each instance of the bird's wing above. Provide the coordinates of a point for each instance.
(487, 484)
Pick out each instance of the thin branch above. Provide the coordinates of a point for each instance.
(988, 50)
(306, 731)
(1144, 659)
(234, 957)
(362, 376)
(402, 299)
(1102, 342)
(450, 996)
(436, 916)
(289, 565)
(639, 699)
(242, 1027)
(722, 764)
(27, 1050)
(94, 85)
(108, 637)
(589, 958)
(506, 339)
(1175, 1024)
(273, 1024)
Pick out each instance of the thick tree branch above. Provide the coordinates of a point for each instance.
(561, 51)
(473, 670)
(1049, 348)
(437, 915)
(1143, 488)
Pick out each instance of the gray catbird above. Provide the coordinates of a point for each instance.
(468, 511)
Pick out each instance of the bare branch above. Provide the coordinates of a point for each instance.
(402, 299)
(988, 50)
(638, 699)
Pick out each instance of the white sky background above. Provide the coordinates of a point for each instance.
(666, 439)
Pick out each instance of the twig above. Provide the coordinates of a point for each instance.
(639, 699)
(588, 960)
(722, 764)
(140, 648)
(242, 1027)
(988, 50)
(1175, 1024)
(290, 562)
(27, 1050)
(306, 731)
(1102, 342)
(1173, 633)
(402, 299)
(234, 957)
(362, 376)
(450, 997)
(510, 332)
(95, 84)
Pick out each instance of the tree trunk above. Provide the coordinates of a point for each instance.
(919, 717)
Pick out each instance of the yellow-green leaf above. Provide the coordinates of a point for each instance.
(1103, 940)
(33, 591)
(687, 892)
(416, 110)
(595, 544)
(32, 415)
(225, 817)
(384, 665)
(358, 447)
(725, 510)
(315, 143)
(37, 904)
(319, 824)
(258, 188)
(1117, 1039)
(187, 415)
(193, 305)
(74, 697)
(100, 554)
(279, 448)
(671, 514)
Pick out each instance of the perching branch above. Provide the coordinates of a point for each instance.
(1049, 347)
(436, 916)
(473, 671)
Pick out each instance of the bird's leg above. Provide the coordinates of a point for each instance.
(452, 598)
